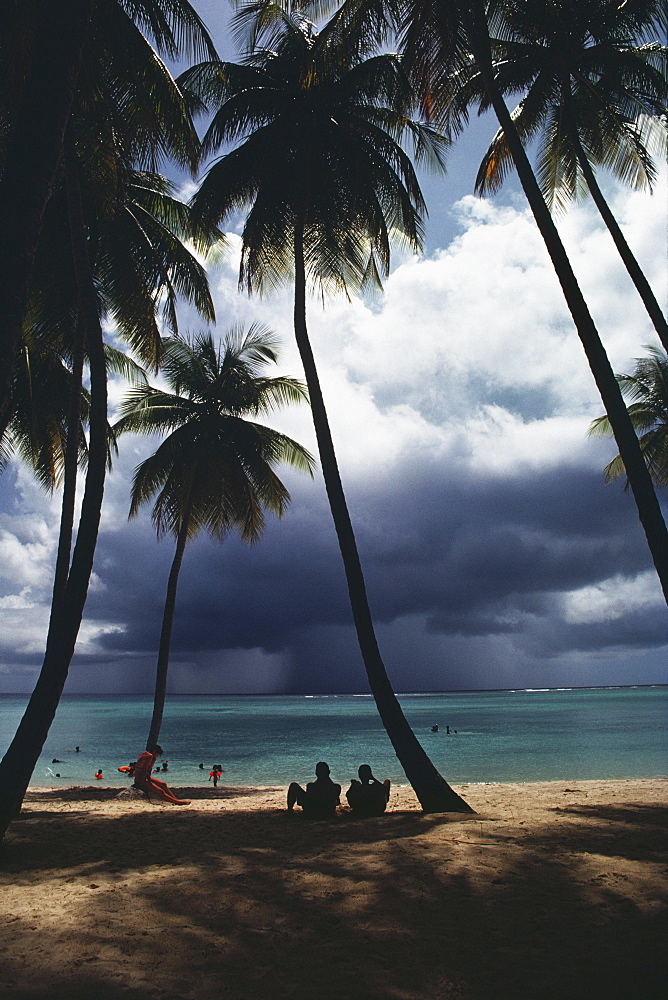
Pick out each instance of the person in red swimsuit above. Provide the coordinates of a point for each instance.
(144, 778)
(215, 774)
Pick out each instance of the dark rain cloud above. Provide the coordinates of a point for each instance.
(471, 558)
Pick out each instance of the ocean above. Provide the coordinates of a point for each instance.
(495, 736)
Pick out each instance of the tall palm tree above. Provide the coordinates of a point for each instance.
(159, 265)
(647, 388)
(215, 470)
(593, 93)
(438, 41)
(319, 165)
(127, 113)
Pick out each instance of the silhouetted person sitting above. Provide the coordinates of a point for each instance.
(368, 796)
(320, 797)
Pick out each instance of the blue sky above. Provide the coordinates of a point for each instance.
(459, 401)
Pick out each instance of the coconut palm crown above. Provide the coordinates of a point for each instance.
(215, 470)
(317, 144)
(593, 78)
(588, 77)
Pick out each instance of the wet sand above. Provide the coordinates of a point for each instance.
(554, 889)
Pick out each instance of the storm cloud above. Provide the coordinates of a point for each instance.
(494, 553)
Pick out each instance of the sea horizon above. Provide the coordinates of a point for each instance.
(340, 694)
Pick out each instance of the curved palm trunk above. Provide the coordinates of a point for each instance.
(19, 761)
(31, 162)
(639, 478)
(433, 792)
(630, 263)
(166, 635)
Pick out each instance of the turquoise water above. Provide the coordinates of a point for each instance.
(544, 735)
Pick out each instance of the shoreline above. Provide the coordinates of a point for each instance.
(551, 889)
(169, 777)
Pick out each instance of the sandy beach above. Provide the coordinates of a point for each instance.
(555, 889)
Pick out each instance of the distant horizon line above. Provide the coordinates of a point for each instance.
(343, 694)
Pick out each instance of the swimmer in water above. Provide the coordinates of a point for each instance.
(215, 773)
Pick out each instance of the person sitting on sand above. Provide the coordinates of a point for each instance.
(147, 783)
(368, 796)
(320, 797)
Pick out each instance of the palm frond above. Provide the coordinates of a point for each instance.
(174, 25)
(647, 386)
(215, 469)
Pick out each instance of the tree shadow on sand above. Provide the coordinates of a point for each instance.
(95, 793)
(247, 904)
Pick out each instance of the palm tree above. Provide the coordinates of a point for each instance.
(155, 261)
(593, 96)
(131, 115)
(215, 470)
(319, 165)
(647, 388)
(438, 41)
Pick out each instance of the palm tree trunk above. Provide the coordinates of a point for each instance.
(433, 792)
(630, 263)
(31, 161)
(71, 465)
(639, 478)
(19, 761)
(166, 634)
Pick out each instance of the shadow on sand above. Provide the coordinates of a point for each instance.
(251, 905)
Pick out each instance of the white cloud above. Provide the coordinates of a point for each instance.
(503, 443)
(472, 350)
(17, 602)
(23, 629)
(613, 599)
